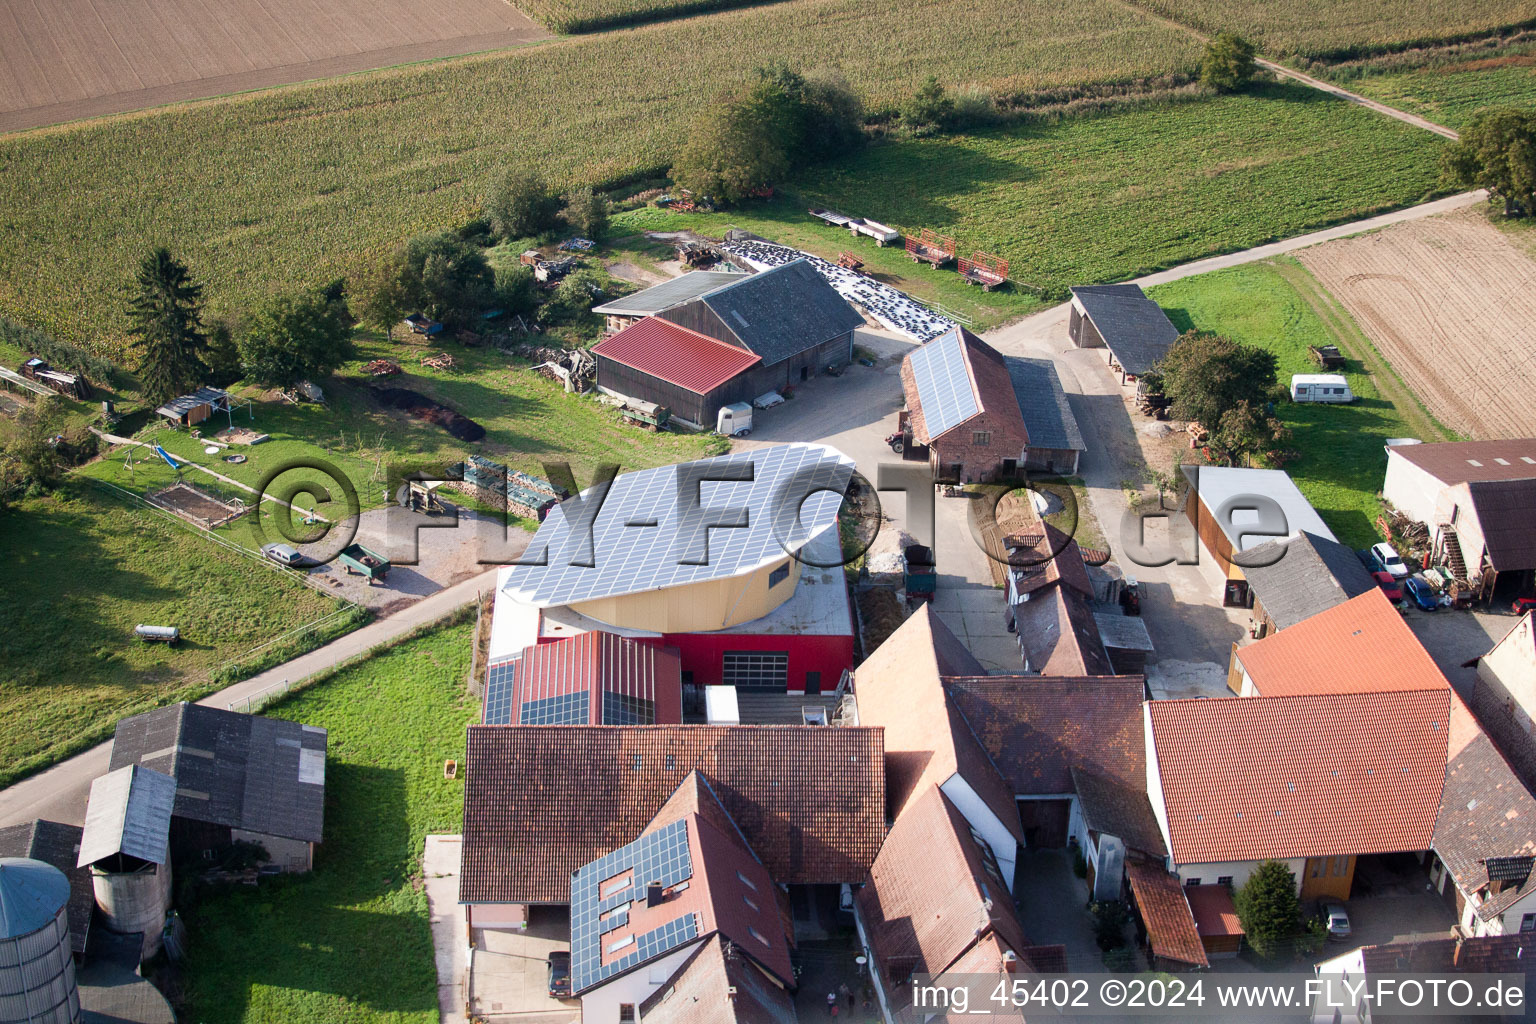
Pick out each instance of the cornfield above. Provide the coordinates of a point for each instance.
(267, 191)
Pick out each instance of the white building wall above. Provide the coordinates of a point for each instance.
(601, 1004)
(1155, 777)
(1240, 870)
(1411, 490)
(974, 810)
(1350, 968)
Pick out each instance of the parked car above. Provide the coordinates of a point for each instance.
(282, 554)
(560, 974)
(1388, 585)
(1522, 605)
(1385, 558)
(1421, 593)
(1336, 918)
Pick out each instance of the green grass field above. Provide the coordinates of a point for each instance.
(82, 570)
(1316, 27)
(1279, 307)
(293, 186)
(1106, 198)
(1451, 94)
(351, 941)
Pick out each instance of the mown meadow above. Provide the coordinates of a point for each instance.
(352, 940)
(297, 185)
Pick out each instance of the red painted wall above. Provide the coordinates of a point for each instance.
(703, 655)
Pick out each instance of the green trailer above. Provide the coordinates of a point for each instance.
(360, 561)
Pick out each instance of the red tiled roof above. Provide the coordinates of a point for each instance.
(541, 801)
(1486, 954)
(1248, 778)
(1214, 911)
(1360, 646)
(598, 662)
(900, 689)
(932, 891)
(1060, 634)
(717, 985)
(1038, 728)
(676, 354)
(1166, 913)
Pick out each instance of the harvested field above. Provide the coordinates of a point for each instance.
(420, 407)
(1449, 302)
(68, 59)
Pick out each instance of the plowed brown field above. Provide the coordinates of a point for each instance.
(1449, 301)
(65, 59)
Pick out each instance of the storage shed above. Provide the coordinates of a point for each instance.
(689, 373)
(126, 846)
(1121, 318)
(190, 410)
(37, 968)
(1055, 442)
(631, 309)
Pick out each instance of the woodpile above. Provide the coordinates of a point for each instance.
(382, 368)
(441, 361)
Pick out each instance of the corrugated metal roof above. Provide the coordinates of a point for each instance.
(676, 355)
(31, 895)
(669, 293)
(1216, 485)
(129, 812)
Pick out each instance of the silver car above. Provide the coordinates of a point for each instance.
(1337, 919)
(282, 554)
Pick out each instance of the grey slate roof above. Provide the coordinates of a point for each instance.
(242, 771)
(783, 311)
(1311, 576)
(1043, 404)
(58, 844)
(669, 293)
(129, 812)
(1123, 632)
(1134, 327)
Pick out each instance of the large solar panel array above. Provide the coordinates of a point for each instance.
(644, 538)
(622, 709)
(499, 676)
(566, 709)
(662, 856)
(943, 383)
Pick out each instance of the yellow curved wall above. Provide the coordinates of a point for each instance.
(698, 607)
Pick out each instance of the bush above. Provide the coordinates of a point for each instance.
(1109, 920)
(60, 354)
(929, 111)
(586, 212)
(1120, 960)
(522, 204)
(1228, 64)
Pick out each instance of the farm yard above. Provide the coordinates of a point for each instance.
(70, 59)
(1276, 307)
(1448, 301)
(1314, 28)
(265, 191)
(83, 569)
(351, 941)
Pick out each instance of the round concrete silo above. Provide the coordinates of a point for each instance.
(134, 896)
(37, 970)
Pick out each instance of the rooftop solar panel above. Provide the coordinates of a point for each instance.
(645, 537)
(661, 856)
(622, 709)
(499, 676)
(566, 709)
(944, 383)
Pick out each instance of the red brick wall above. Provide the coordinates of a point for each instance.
(980, 463)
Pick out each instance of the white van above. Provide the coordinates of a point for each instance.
(1320, 387)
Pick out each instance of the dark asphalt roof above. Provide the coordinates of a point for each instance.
(1043, 404)
(668, 294)
(1134, 327)
(242, 771)
(783, 311)
(1312, 575)
(58, 844)
(1506, 510)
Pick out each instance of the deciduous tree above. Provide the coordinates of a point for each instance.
(522, 204)
(1204, 375)
(165, 322)
(295, 338)
(382, 295)
(1228, 65)
(444, 274)
(1497, 151)
(586, 211)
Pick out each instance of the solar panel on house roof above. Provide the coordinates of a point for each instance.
(499, 687)
(944, 383)
(658, 857)
(645, 537)
(622, 709)
(566, 709)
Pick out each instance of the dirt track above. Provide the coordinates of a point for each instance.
(1448, 301)
(65, 59)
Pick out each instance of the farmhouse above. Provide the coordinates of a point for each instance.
(1050, 606)
(1300, 577)
(641, 912)
(541, 802)
(1362, 645)
(690, 374)
(1234, 510)
(190, 410)
(239, 778)
(759, 602)
(1478, 500)
(1055, 444)
(962, 410)
(1120, 317)
(631, 309)
(1488, 954)
(593, 678)
(1504, 695)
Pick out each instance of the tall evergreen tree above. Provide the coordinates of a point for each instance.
(166, 323)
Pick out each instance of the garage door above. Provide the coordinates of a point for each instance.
(757, 670)
(1045, 822)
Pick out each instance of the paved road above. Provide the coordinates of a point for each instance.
(59, 793)
(1354, 97)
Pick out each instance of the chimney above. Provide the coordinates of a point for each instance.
(654, 894)
(731, 992)
(1456, 953)
(1010, 961)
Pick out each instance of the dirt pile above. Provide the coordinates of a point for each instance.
(421, 407)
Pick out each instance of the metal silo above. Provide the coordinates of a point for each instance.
(37, 970)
